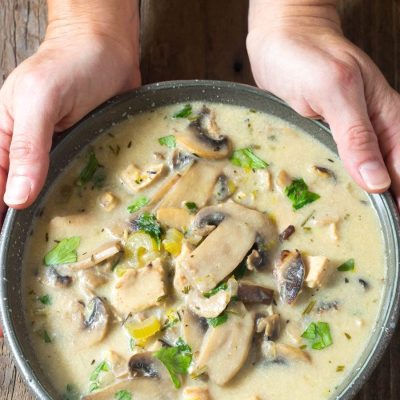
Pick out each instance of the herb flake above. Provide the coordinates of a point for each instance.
(89, 170)
(123, 395)
(191, 207)
(185, 112)
(318, 335)
(347, 266)
(218, 288)
(148, 223)
(299, 194)
(45, 299)
(169, 141)
(64, 252)
(246, 158)
(138, 203)
(217, 321)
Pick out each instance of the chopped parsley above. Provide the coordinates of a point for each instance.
(148, 223)
(138, 203)
(246, 158)
(218, 288)
(46, 337)
(318, 335)
(71, 393)
(216, 321)
(185, 112)
(347, 266)
(192, 207)
(88, 171)
(169, 141)
(176, 359)
(299, 194)
(94, 376)
(309, 307)
(64, 252)
(123, 395)
(45, 299)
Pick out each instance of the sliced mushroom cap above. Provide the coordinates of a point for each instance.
(94, 327)
(274, 352)
(181, 160)
(134, 179)
(227, 245)
(323, 172)
(225, 348)
(193, 329)
(145, 365)
(55, 279)
(289, 273)
(204, 139)
(250, 293)
(272, 326)
(223, 189)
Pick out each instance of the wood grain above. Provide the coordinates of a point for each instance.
(205, 39)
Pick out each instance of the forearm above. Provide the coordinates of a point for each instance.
(116, 19)
(267, 15)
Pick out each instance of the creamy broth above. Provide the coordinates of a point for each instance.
(265, 353)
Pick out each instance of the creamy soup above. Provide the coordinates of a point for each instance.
(203, 252)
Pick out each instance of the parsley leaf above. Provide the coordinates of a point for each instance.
(299, 194)
(88, 171)
(192, 207)
(176, 359)
(216, 321)
(45, 299)
(347, 266)
(246, 158)
(318, 334)
(148, 223)
(94, 376)
(123, 395)
(71, 393)
(185, 112)
(219, 287)
(64, 252)
(138, 204)
(169, 141)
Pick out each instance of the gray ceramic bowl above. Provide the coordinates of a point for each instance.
(18, 225)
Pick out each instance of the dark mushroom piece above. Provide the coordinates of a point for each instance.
(203, 138)
(55, 279)
(144, 365)
(324, 172)
(272, 326)
(289, 273)
(193, 329)
(180, 160)
(285, 235)
(250, 293)
(222, 191)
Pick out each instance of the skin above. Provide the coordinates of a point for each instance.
(297, 51)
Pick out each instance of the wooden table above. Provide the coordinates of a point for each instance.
(184, 39)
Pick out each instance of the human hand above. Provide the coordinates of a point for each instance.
(300, 54)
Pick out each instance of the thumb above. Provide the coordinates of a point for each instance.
(356, 139)
(34, 118)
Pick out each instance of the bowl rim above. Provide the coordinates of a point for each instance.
(392, 310)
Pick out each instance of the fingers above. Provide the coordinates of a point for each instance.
(34, 116)
(346, 112)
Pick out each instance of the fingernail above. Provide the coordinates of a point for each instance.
(375, 175)
(18, 190)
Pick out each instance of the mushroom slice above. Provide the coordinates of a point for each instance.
(272, 326)
(119, 364)
(211, 307)
(193, 329)
(134, 179)
(93, 328)
(196, 393)
(53, 278)
(203, 138)
(318, 271)
(283, 180)
(225, 348)
(181, 160)
(195, 185)
(178, 218)
(139, 289)
(250, 293)
(224, 188)
(279, 351)
(145, 365)
(323, 172)
(289, 273)
(102, 253)
(238, 228)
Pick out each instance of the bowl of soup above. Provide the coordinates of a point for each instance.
(199, 240)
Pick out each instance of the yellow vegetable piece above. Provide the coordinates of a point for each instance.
(231, 186)
(173, 241)
(140, 249)
(141, 331)
(120, 270)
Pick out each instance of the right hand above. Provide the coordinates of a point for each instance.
(70, 74)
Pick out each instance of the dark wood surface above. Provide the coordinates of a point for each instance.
(184, 39)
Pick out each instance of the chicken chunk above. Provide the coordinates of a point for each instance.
(318, 270)
(196, 393)
(134, 179)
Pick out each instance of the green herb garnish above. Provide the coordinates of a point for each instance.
(246, 158)
(192, 207)
(240, 271)
(176, 359)
(185, 112)
(71, 393)
(138, 203)
(216, 321)
(169, 141)
(219, 287)
(46, 337)
(88, 171)
(94, 376)
(64, 252)
(347, 266)
(299, 194)
(309, 307)
(45, 299)
(148, 223)
(123, 395)
(318, 334)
